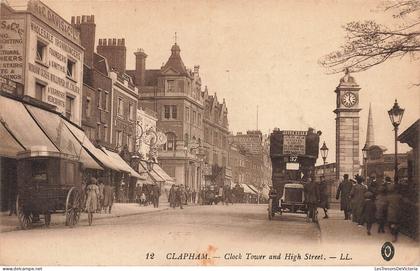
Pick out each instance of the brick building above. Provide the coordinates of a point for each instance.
(255, 147)
(97, 85)
(124, 96)
(216, 132)
(174, 92)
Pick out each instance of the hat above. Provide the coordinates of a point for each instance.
(359, 178)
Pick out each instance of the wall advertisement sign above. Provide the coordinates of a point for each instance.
(12, 34)
(54, 70)
(294, 142)
(47, 15)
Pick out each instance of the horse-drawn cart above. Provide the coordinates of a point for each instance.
(48, 183)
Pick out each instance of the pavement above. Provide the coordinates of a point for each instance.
(336, 229)
(11, 223)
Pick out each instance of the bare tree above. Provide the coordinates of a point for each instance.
(368, 43)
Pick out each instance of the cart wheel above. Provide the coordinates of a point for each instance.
(73, 207)
(47, 219)
(25, 217)
(270, 209)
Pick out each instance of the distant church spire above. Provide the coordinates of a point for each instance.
(370, 137)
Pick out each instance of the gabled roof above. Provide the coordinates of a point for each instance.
(175, 62)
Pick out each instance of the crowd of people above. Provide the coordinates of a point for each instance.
(96, 197)
(374, 202)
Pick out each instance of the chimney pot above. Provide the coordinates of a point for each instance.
(72, 20)
(114, 41)
(78, 19)
(83, 18)
(123, 41)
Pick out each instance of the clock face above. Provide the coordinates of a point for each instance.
(349, 99)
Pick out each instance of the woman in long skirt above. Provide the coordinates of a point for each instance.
(92, 196)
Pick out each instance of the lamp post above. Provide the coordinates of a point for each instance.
(395, 115)
(324, 154)
(364, 152)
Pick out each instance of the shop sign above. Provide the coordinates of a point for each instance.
(12, 33)
(47, 15)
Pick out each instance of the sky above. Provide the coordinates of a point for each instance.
(262, 53)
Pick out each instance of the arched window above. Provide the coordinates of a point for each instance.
(170, 144)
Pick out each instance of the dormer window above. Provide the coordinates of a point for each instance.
(171, 85)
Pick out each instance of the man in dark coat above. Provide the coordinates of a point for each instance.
(343, 191)
(172, 196)
(155, 195)
(311, 192)
(357, 196)
(324, 196)
(368, 211)
(393, 211)
(381, 208)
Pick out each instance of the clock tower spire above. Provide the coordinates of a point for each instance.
(347, 126)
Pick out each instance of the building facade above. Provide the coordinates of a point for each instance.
(216, 132)
(43, 52)
(97, 85)
(174, 93)
(255, 147)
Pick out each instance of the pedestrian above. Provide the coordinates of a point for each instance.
(138, 192)
(312, 197)
(156, 195)
(143, 199)
(92, 196)
(343, 192)
(324, 196)
(357, 196)
(101, 196)
(108, 197)
(381, 208)
(369, 211)
(180, 195)
(172, 196)
(194, 196)
(188, 194)
(220, 195)
(393, 210)
(373, 185)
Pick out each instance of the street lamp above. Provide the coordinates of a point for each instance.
(395, 115)
(324, 154)
(364, 151)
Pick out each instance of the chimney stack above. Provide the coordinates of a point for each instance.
(87, 27)
(114, 51)
(140, 73)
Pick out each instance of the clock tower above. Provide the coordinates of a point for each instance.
(347, 127)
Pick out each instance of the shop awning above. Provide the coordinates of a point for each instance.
(253, 188)
(247, 189)
(121, 164)
(20, 123)
(9, 147)
(53, 125)
(159, 171)
(155, 177)
(95, 152)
